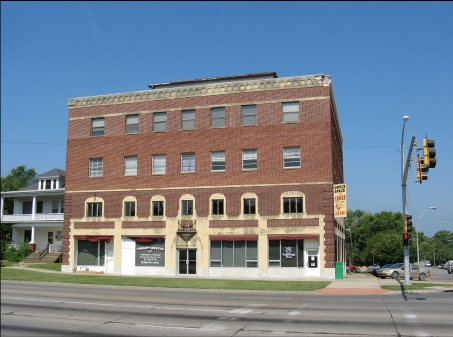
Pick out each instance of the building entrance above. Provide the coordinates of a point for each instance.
(187, 261)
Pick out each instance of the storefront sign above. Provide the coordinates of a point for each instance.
(339, 197)
(150, 254)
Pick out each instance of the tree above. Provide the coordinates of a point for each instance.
(16, 179)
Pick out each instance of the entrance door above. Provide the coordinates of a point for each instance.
(50, 237)
(187, 261)
(109, 261)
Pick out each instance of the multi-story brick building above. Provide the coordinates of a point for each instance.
(219, 177)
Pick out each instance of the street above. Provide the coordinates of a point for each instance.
(53, 309)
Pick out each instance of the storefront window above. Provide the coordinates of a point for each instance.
(286, 253)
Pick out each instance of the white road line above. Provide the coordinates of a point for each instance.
(294, 313)
(421, 334)
(411, 317)
(116, 305)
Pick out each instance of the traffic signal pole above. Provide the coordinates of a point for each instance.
(405, 170)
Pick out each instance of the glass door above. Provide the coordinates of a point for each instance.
(187, 261)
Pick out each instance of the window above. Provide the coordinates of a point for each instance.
(158, 208)
(132, 124)
(249, 115)
(188, 162)
(159, 163)
(188, 120)
(291, 157)
(250, 206)
(217, 207)
(286, 253)
(218, 161)
(94, 209)
(91, 253)
(57, 206)
(130, 166)
(187, 207)
(39, 207)
(48, 185)
(249, 159)
(292, 205)
(217, 117)
(234, 254)
(95, 167)
(160, 122)
(129, 208)
(290, 112)
(97, 127)
(27, 207)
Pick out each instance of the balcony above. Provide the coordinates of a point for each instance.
(41, 217)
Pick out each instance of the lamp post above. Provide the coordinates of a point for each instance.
(416, 227)
(404, 195)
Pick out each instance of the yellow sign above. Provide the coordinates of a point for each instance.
(339, 200)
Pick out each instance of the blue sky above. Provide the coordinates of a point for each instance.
(386, 60)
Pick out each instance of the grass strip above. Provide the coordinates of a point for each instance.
(46, 266)
(417, 286)
(34, 276)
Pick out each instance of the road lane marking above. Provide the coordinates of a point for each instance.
(411, 317)
(294, 313)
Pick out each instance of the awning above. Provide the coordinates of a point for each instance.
(233, 237)
(144, 238)
(95, 238)
(293, 237)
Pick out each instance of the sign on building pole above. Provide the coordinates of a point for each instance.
(339, 199)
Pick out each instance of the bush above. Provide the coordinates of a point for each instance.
(17, 252)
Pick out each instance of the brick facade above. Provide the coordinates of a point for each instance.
(317, 133)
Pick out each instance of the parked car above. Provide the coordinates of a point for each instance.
(350, 268)
(449, 266)
(428, 264)
(396, 271)
(375, 269)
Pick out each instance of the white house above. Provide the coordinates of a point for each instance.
(38, 212)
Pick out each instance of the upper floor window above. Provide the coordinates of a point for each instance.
(129, 208)
(218, 161)
(249, 159)
(130, 166)
(132, 124)
(57, 206)
(250, 206)
(249, 115)
(186, 207)
(188, 162)
(217, 117)
(292, 205)
(218, 206)
(97, 127)
(158, 208)
(95, 167)
(94, 209)
(160, 121)
(188, 120)
(159, 163)
(290, 112)
(291, 157)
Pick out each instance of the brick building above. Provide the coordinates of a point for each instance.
(219, 177)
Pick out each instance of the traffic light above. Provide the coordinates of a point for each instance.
(429, 153)
(422, 171)
(408, 223)
(405, 239)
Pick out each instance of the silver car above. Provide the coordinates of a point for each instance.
(397, 271)
(449, 266)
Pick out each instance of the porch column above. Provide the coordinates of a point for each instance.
(32, 243)
(33, 208)
(1, 207)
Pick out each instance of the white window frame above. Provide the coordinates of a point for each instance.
(218, 117)
(132, 210)
(249, 154)
(188, 119)
(95, 168)
(290, 112)
(130, 165)
(291, 157)
(97, 127)
(218, 161)
(248, 113)
(160, 121)
(94, 207)
(159, 164)
(188, 162)
(131, 124)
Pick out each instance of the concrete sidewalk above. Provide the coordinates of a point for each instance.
(354, 284)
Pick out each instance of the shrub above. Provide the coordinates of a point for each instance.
(17, 252)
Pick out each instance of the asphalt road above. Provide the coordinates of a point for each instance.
(53, 309)
(439, 274)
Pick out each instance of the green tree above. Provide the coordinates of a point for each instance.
(16, 179)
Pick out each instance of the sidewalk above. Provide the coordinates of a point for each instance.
(355, 284)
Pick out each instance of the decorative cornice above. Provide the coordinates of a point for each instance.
(202, 90)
